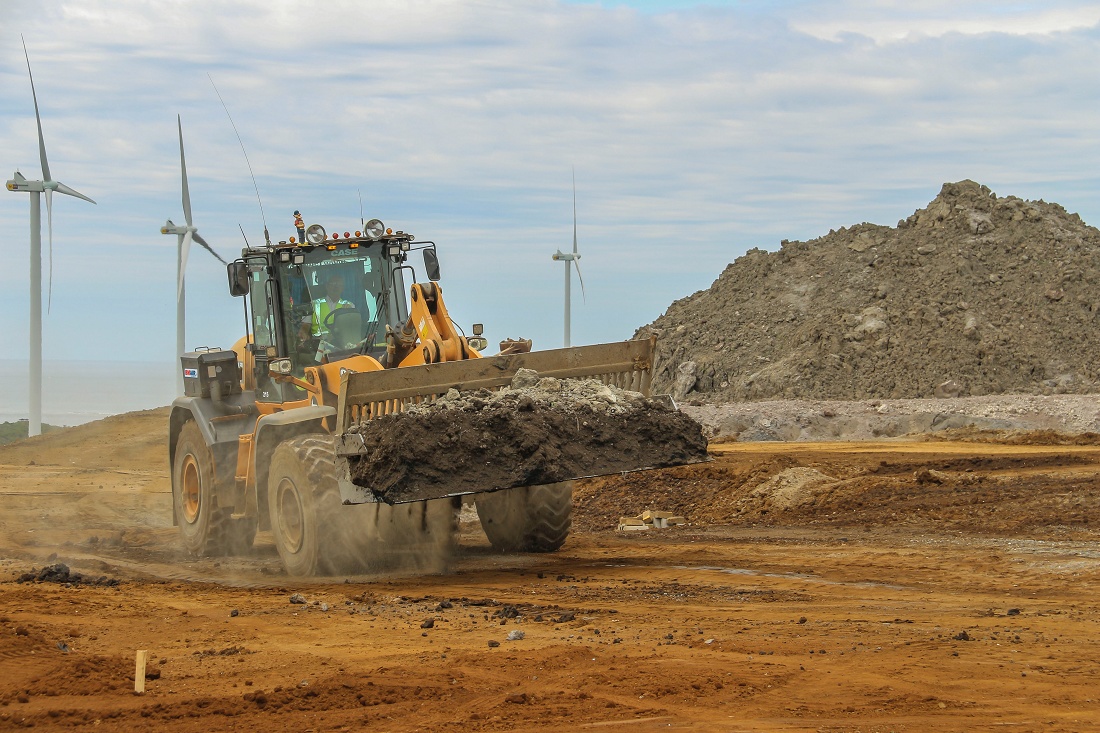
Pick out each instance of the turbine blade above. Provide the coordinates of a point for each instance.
(49, 227)
(62, 188)
(38, 118)
(577, 264)
(198, 238)
(575, 212)
(183, 172)
(184, 249)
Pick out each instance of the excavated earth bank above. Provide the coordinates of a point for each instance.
(539, 431)
(973, 295)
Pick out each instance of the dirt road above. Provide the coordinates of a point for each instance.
(929, 586)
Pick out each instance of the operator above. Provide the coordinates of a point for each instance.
(322, 307)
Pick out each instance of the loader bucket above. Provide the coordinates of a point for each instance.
(465, 427)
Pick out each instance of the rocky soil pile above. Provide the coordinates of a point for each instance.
(973, 295)
(540, 430)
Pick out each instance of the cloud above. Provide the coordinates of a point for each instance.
(887, 22)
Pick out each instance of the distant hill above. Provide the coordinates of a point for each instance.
(974, 294)
(13, 431)
(120, 441)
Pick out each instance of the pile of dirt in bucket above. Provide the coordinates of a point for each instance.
(973, 295)
(541, 430)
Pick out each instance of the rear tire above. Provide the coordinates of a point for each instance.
(415, 537)
(205, 528)
(527, 518)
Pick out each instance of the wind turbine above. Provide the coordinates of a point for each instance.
(184, 235)
(47, 185)
(571, 258)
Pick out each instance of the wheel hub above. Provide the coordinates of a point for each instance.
(290, 515)
(191, 489)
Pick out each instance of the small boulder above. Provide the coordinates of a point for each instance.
(948, 389)
(686, 377)
(525, 378)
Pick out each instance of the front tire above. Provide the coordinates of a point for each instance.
(316, 534)
(312, 530)
(205, 528)
(527, 518)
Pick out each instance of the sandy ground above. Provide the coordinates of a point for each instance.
(873, 586)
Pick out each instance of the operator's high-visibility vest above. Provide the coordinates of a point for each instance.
(320, 313)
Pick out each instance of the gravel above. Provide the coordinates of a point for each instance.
(789, 420)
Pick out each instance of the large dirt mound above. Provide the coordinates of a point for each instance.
(974, 294)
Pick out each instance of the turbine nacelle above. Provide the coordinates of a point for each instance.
(170, 228)
(20, 183)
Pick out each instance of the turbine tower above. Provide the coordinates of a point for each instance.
(571, 259)
(184, 235)
(47, 185)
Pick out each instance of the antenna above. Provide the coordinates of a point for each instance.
(267, 237)
(246, 244)
(362, 221)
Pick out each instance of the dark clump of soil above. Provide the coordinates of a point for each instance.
(972, 295)
(474, 443)
(60, 573)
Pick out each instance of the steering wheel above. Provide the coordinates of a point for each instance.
(343, 335)
(330, 319)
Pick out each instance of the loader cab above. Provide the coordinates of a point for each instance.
(323, 300)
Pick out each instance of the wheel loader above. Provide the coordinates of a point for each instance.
(338, 331)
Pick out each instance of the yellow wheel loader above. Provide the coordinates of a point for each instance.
(267, 434)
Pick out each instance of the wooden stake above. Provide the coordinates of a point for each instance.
(139, 670)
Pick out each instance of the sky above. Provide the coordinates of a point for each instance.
(696, 131)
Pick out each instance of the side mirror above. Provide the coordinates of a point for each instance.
(238, 278)
(431, 264)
